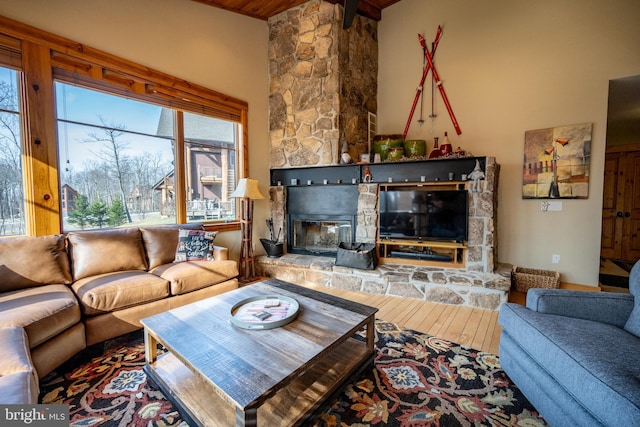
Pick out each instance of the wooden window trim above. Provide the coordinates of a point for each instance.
(55, 57)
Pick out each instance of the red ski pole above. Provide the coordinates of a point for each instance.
(440, 87)
(424, 77)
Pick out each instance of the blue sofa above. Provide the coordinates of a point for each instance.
(576, 355)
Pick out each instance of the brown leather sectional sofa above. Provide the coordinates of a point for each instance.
(61, 293)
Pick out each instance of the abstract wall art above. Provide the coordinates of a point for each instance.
(556, 162)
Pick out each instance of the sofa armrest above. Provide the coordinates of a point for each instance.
(220, 253)
(18, 377)
(603, 307)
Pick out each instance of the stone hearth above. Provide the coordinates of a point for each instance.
(441, 285)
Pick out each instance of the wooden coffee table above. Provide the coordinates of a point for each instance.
(219, 374)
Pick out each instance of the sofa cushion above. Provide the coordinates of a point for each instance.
(195, 245)
(33, 261)
(43, 312)
(633, 322)
(114, 291)
(160, 242)
(190, 276)
(18, 378)
(597, 363)
(105, 251)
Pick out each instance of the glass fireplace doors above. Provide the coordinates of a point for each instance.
(319, 235)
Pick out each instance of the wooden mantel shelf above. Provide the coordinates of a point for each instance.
(395, 172)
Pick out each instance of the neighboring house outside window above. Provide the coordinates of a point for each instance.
(67, 199)
(210, 166)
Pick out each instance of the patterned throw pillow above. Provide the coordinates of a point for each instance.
(195, 245)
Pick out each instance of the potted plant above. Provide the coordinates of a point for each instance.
(272, 247)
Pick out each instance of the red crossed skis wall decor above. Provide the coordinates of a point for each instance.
(430, 66)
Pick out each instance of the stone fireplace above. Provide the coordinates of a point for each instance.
(351, 196)
(323, 84)
(479, 284)
(322, 89)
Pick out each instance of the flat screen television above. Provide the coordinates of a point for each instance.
(413, 213)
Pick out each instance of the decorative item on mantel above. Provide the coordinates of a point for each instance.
(446, 147)
(247, 191)
(367, 175)
(475, 176)
(415, 148)
(364, 158)
(436, 152)
(345, 157)
(383, 143)
(395, 154)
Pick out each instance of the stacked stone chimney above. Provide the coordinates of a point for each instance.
(323, 84)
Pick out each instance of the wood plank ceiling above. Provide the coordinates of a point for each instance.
(265, 9)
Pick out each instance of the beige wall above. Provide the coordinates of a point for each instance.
(204, 45)
(509, 66)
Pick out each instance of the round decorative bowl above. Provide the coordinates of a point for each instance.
(395, 154)
(382, 144)
(415, 148)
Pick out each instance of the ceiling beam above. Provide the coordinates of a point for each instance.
(262, 10)
(265, 9)
(365, 8)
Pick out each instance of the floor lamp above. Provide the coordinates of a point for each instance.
(247, 191)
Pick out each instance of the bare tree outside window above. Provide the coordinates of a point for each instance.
(112, 154)
(114, 160)
(12, 220)
(119, 155)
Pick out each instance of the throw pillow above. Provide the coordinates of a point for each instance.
(195, 245)
(161, 241)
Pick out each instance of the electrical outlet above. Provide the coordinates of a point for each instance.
(555, 259)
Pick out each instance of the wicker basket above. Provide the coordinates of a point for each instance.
(524, 279)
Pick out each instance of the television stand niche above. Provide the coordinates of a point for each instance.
(430, 251)
(421, 252)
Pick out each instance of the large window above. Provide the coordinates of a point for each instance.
(117, 161)
(90, 140)
(12, 215)
(210, 159)
(112, 161)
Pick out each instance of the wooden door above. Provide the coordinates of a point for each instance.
(631, 223)
(621, 207)
(610, 243)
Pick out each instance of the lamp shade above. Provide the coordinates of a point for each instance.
(248, 188)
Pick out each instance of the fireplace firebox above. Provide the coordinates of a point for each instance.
(320, 217)
(320, 236)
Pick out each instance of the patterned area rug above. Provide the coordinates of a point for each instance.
(416, 380)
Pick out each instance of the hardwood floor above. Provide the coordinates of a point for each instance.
(473, 327)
